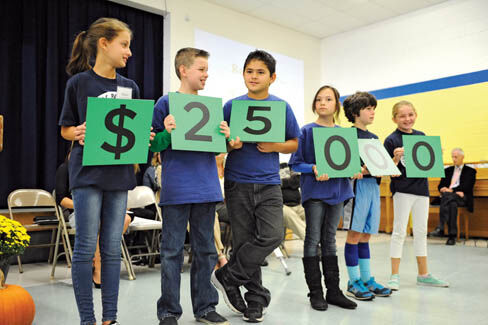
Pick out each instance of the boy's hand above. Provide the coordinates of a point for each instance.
(364, 170)
(323, 177)
(225, 129)
(169, 123)
(358, 176)
(80, 131)
(235, 144)
(151, 136)
(268, 147)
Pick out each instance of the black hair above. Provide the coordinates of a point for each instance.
(263, 56)
(355, 103)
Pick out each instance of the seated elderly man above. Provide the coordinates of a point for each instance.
(456, 189)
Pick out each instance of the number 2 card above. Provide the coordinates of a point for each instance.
(258, 120)
(197, 120)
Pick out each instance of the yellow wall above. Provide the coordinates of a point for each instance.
(458, 115)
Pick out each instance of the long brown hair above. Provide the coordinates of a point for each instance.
(85, 44)
(337, 96)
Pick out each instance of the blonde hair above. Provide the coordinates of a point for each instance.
(186, 56)
(401, 103)
(86, 42)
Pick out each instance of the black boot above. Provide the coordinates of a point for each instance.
(311, 266)
(334, 295)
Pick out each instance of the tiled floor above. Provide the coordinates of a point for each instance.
(464, 266)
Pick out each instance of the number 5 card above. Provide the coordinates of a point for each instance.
(258, 120)
(197, 121)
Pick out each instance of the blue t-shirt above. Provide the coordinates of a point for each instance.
(186, 176)
(78, 88)
(333, 191)
(367, 135)
(248, 164)
(402, 184)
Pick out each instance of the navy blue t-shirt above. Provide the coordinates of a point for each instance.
(402, 184)
(78, 88)
(333, 191)
(248, 164)
(186, 176)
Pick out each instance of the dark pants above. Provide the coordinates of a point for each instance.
(256, 218)
(204, 296)
(448, 212)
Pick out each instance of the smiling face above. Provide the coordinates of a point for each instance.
(117, 51)
(196, 75)
(258, 79)
(405, 118)
(325, 103)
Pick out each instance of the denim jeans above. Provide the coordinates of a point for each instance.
(256, 219)
(105, 211)
(204, 296)
(322, 220)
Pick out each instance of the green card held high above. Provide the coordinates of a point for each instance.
(258, 120)
(117, 131)
(423, 156)
(336, 151)
(197, 120)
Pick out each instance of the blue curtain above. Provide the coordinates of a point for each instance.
(36, 37)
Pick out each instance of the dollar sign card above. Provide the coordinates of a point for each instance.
(117, 131)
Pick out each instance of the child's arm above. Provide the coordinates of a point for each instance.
(162, 140)
(74, 133)
(289, 146)
(231, 143)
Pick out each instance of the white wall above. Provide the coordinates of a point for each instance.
(439, 41)
(189, 15)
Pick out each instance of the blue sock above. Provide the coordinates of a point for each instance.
(351, 255)
(364, 261)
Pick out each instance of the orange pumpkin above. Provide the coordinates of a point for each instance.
(16, 304)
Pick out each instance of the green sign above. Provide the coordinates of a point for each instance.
(376, 158)
(197, 120)
(336, 151)
(423, 156)
(258, 120)
(117, 131)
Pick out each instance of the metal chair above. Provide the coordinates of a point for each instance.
(140, 197)
(37, 200)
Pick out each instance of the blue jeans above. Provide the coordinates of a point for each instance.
(105, 211)
(204, 296)
(256, 219)
(322, 220)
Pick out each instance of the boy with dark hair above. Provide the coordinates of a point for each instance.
(191, 189)
(253, 197)
(362, 213)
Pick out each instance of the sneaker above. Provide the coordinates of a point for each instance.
(254, 312)
(394, 282)
(377, 289)
(232, 294)
(358, 291)
(171, 320)
(431, 281)
(114, 322)
(213, 317)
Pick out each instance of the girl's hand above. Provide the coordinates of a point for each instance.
(151, 136)
(267, 147)
(364, 170)
(398, 154)
(358, 176)
(80, 131)
(169, 123)
(323, 177)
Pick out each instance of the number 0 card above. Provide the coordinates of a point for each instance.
(258, 120)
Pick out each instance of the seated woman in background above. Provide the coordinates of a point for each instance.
(64, 199)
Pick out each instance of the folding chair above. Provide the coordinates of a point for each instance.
(33, 198)
(140, 197)
(64, 231)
